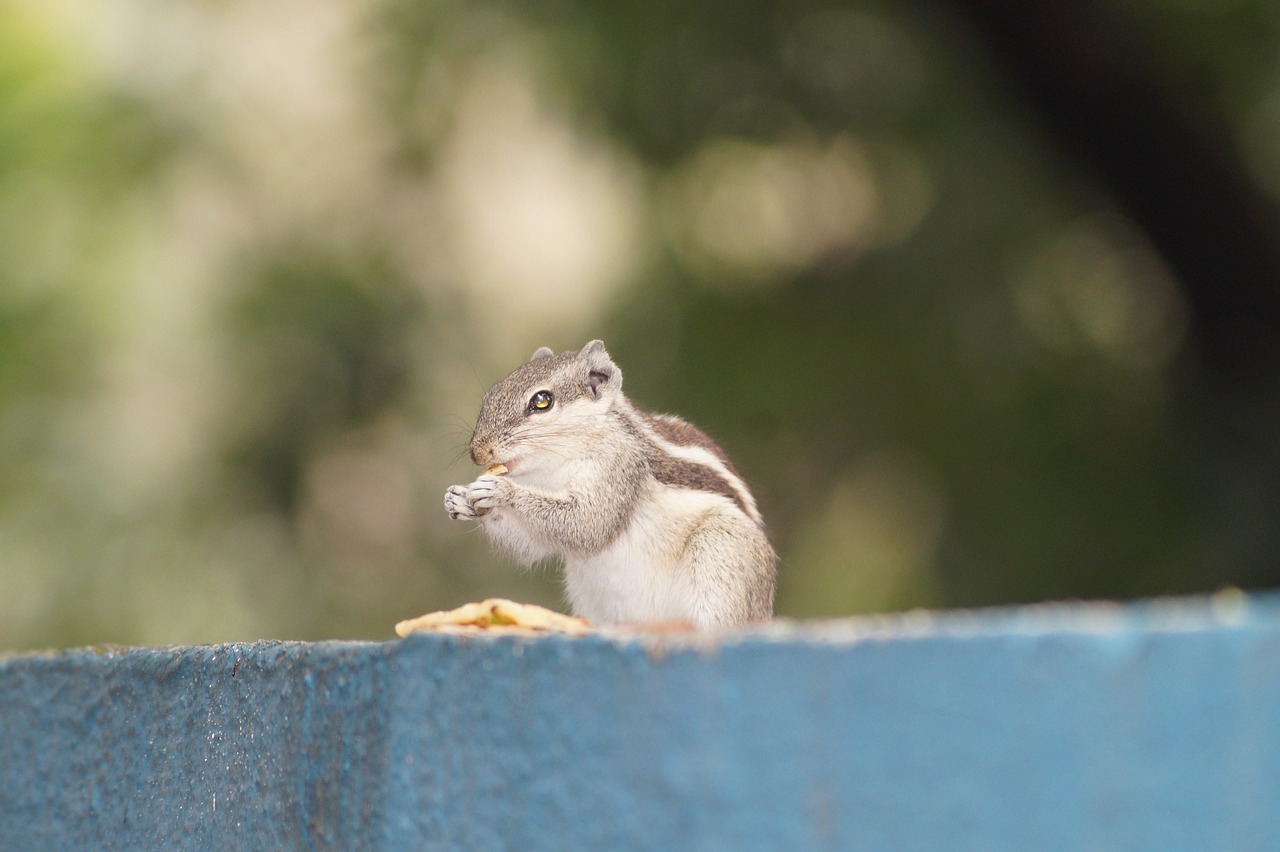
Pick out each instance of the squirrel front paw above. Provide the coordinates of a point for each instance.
(488, 491)
(457, 504)
(468, 502)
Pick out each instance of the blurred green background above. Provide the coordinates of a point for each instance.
(982, 299)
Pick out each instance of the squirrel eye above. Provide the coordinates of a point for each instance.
(541, 401)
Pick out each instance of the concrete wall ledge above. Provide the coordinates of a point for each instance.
(1146, 726)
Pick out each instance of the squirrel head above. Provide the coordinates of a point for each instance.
(542, 410)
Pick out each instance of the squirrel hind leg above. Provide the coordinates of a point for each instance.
(731, 566)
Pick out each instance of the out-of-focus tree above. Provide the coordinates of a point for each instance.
(259, 262)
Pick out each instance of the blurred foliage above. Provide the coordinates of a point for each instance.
(259, 262)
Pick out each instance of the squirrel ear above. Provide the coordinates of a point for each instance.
(543, 352)
(602, 374)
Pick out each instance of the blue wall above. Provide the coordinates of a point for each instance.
(1154, 726)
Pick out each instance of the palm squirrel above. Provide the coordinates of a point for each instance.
(652, 520)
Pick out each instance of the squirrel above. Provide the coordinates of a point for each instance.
(652, 520)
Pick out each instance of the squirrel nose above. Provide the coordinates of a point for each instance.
(479, 454)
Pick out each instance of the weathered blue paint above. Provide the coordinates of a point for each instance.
(1146, 727)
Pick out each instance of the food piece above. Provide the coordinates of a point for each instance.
(495, 616)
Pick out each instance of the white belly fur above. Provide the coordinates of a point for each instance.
(639, 577)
